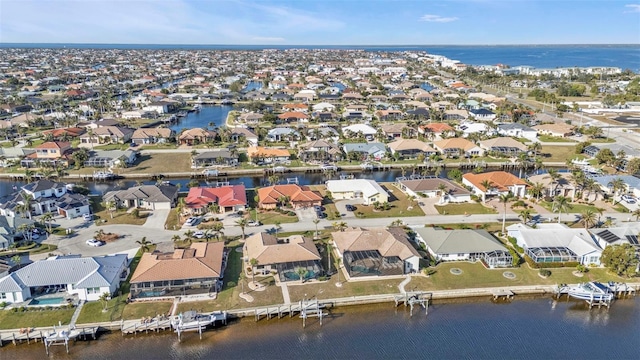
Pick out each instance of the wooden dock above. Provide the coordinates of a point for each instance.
(29, 335)
(137, 326)
(305, 309)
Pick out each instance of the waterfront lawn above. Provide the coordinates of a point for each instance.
(329, 290)
(103, 217)
(34, 318)
(461, 209)
(557, 153)
(401, 206)
(160, 164)
(137, 310)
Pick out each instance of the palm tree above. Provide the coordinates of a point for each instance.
(213, 208)
(180, 206)
(218, 232)
(523, 163)
(176, 238)
(242, 223)
(442, 189)
(27, 200)
(636, 214)
(340, 226)
(315, 222)
(47, 218)
(525, 215)
(98, 235)
(338, 262)
(104, 299)
(302, 272)
(535, 147)
(588, 218)
(487, 184)
(277, 226)
(561, 204)
(617, 186)
(145, 244)
(254, 262)
(537, 189)
(504, 199)
(110, 205)
(16, 260)
(555, 176)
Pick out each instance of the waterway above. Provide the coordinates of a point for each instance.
(207, 117)
(524, 329)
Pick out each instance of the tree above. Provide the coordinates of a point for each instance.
(315, 222)
(104, 299)
(277, 226)
(636, 214)
(145, 244)
(443, 190)
(302, 272)
(110, 205)
(242, 223)
(525, 215)
(621, 259)
(537, 189)
(488, 185)
(254, 262)
(16, 260)
(218, 232)
(338, 263)
(561, 204)
(339, 225)
(47, 219)
(504, 199)
(213, 208)
(588, 218)
(617, 186)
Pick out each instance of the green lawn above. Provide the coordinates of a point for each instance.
(138, 310)
(329, 290)
(547, 138)
(575, 208)
(34, 318)
(602, 140)
(556, 153)
(112, 147)
(466, 208)
(120, 216)
(401, 205)
(271, 217)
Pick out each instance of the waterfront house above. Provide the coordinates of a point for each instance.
(54, 153)
(231, 198)
(368, 191)
(46, 196)
(464, 245)
(106, 135)
(239, 134)
(9, 232)
(282, 134)
(196, 136)
(250, 118)
(503, 146)
(217, 157)
(150, 197)
(268, 155)
(430, 187)
(500, 182)
(151, 136)
(282, 255)
(398, 130)
(376, 252)
(365, 151)
(410, 148)
(553, 243)
(110, 158)
(197, 269)
(563, 186)
(85, 277)
(624, 234)
(517, 130)
(12, 155)
(293, 195)
(319, 150)
(456, 147)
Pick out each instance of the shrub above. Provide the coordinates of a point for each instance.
(291, 213)
(581, 268)
(231, 284)
(429, 271)
(545, 272)
(514, 243)
(556, 265)
(3, 304)
(135, 213)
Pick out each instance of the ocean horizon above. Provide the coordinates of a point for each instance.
(623, 56)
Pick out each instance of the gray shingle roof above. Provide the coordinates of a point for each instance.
(459, 241)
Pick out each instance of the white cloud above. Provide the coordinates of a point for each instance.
(267, 39)
(437, 18)
(633, 8)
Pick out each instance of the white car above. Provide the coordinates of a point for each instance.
(94, 242)
(254, 223)
(628, 199)
(191, 221)
(198, 234)
(87, 217)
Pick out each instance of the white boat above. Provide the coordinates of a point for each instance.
(580, 162)
(192, 320)
(197, 107)
(103, 175)
(366, 166)
(592, 291)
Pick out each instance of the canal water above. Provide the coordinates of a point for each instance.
(523, 329)
(207, 117)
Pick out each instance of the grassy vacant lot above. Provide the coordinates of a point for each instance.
(401, 206)
(144, 309)
(557, 153)
(104, 217)
(466, 208)
(474, 275)
(329, 290)
(160, 163)
(575, 208)
(270, 217)
(547, 138)
(34, 318)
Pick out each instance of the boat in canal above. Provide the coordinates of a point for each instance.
(591, 291)
(194, 321)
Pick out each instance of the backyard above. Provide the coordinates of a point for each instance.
(559, 153)
(34, 318)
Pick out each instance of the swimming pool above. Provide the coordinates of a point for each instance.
(47, 301)
(151, 293)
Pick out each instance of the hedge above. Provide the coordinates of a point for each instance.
(535, 265)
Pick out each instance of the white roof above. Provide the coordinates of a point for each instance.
(363, 128)
(368, 188)
(577, 240)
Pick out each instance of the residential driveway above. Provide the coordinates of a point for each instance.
(306, 214)
(156, 219)
(428, 205)
(341, 207)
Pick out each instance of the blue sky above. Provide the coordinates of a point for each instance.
(321, 22)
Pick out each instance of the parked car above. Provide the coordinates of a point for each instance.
(87, 217)
(350, 207)
(191, 221)
(94, 242)
(198, 234)
(629, 199)
(254, 223)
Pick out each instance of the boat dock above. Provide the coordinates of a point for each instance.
(596, 293)
(307, 308)
(47, 335)
(137, 326)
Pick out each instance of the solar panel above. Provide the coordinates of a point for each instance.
(633, 239)
(608, 236)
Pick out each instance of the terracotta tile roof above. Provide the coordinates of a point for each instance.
(54, 145)
(200, 197)
(297, 193)
(200, 260)
(389, 242)
(455, 143)
(438, 127)
(268, 249)
(292, 114)
(295, 106)
(198, 133)
(68, 131)
(501, 180)
(257, 151)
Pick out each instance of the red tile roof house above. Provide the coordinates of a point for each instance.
(501, 182)
(299, 196)
(229, 199)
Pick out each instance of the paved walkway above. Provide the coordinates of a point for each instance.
(403, 284)
(285, 293)
(76, 313)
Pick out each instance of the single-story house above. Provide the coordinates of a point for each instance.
(268, 155)
(503, 145)
(464, 245)
(110, 158)
(517, 130)
(231, 198)
(239, 133)
(430, 187)
(91, 277)
(295, 195)
(481, 114)
(282, 134)
(410, 148)
(368, 190)
(625, 234)
(151, 135)
(150, 197)
(550, 243)
(284, 256)
(197, 269)
(365, 151)
(353, 130)
(555, 129)
(106, 135)
(458, 147)
(319, 150)
(196, 136)
(500, 182)
(218, 157)
(376, 252)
